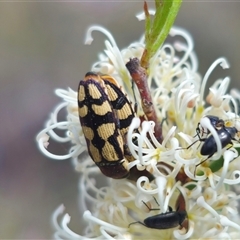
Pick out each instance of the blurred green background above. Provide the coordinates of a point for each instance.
(41, 48)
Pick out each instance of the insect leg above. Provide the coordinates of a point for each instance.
(150, 209)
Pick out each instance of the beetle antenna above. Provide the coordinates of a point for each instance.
(156, 201)
(150, 209)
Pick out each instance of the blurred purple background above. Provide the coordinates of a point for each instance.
(41, 48)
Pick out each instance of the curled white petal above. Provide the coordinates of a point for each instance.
(223, 63)
(201, 202)
(89, 38)
(226, 222)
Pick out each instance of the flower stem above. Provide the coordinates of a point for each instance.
(157, 30)
(139, 77)
(155, 34)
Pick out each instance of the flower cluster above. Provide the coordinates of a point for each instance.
(204, 191)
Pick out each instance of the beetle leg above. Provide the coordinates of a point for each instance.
(197, 130)
(156, 200)
(202, 162)
(230, 145)
(137, 222)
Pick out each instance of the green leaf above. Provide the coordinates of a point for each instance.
(157, 30)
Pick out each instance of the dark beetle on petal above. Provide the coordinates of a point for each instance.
(209, 147)
(166, 220)
(215, 121)
(226, 136)
(105, 115)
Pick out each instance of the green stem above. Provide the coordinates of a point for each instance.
(157, 30)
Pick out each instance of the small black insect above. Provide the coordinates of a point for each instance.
(202, 129)
(209, 147)
(166, 220)
(215, 121)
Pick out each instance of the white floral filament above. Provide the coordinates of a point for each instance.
(178, 97)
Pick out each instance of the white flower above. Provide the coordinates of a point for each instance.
(71, 127)
(187, 179)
